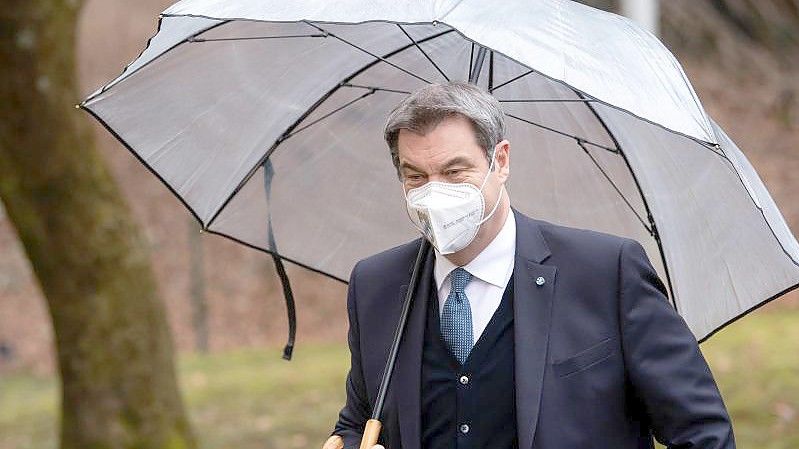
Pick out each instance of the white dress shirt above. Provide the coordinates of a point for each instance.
(491, 270)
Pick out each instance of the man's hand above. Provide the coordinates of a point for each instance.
(334, 442)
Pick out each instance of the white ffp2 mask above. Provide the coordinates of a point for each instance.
(449, 215)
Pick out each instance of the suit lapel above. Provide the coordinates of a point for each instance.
(532, 307)
(407, 376)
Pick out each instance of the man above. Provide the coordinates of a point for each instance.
(523, 334)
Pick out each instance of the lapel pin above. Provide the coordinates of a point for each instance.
(539, 281)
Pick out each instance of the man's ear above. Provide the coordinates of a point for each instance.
(502, 159)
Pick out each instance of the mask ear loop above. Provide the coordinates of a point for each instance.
(496, 205)
(490, 169)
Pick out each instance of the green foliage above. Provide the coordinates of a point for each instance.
(756, 365)
(251, 399)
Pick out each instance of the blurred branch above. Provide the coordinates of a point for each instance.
(772, 23)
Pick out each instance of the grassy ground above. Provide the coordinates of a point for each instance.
(253, 399)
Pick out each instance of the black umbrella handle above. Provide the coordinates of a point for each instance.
(372, 430)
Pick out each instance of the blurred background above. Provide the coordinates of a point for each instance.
(222, 303)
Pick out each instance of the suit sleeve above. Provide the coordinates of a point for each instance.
(356, 412)
(665, 366)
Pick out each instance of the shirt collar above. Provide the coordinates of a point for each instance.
(493, 264)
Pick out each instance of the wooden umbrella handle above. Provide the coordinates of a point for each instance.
(370, 433)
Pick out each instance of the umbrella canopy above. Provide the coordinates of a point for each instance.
(265, 118)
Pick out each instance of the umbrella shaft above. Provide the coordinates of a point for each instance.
(392, 356)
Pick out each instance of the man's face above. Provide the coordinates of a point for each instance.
(450, 153)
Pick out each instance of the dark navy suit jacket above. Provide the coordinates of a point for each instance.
(602, 360)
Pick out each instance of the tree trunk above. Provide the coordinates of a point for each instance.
(115, 353)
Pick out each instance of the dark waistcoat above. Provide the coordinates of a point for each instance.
(469, 406)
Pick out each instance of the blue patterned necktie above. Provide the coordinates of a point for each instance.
(456, 319)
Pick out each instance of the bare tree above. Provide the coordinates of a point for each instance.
(115, 353)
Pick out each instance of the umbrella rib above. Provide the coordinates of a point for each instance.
(244, 38)
(548, 100)
(302, 117)
(564, 134)
(423, 52)
(587, 101)
(654, 230)
(384, 89)
(511, 80)
(369, 53)
(345, 105)
(581, 143)
(714, 149)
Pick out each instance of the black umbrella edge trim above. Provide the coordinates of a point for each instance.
(282, 257)
(748, 311)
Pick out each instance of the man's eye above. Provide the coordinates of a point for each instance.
(453, 172)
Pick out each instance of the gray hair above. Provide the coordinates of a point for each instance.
(424, 109)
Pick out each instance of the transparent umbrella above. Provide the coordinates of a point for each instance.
(265, 119)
